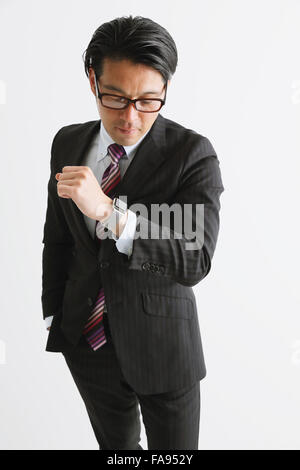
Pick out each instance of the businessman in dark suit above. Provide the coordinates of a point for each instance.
(149, 351)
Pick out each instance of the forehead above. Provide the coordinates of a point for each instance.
(110, 87)
(126, 77)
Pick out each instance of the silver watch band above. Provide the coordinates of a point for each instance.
(119, 209)
(119, 205)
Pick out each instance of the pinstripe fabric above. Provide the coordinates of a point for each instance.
(94, 328)
(152, 311)
(171, 419)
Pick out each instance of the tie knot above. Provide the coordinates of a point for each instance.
(116, 151)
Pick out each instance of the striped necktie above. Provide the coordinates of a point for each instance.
(94, 328)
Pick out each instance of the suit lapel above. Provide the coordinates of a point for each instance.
(147, 159)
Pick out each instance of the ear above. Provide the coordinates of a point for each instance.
(92, 80)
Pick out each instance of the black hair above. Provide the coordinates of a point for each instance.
(138, 39)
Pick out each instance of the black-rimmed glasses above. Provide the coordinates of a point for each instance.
(144, 105)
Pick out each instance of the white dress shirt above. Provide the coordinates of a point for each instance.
(98, 159)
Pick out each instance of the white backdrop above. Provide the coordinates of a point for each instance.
(238, 83)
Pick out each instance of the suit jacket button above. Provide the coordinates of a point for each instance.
(146, 266)
(90, 301)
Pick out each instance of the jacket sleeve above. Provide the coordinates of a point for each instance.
(167, 248)
(58, 243)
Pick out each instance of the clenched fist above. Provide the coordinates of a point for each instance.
(80, 184)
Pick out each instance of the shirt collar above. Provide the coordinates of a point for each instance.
(105, 140)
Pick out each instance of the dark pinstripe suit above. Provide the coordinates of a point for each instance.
(152, 311)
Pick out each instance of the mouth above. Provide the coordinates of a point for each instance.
(126, 131)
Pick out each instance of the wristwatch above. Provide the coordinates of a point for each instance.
(119, 205)
(119, 209)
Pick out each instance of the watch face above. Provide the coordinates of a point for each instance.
(120, 205)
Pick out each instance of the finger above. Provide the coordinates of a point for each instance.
(63, 190)
(69, 175)
(67, 182)
(73, 168)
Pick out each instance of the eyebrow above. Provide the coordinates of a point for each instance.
(114, 88)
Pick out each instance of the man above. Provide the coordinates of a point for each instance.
(117, 298)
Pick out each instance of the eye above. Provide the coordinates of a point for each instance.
(116, 98)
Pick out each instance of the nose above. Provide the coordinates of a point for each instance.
(129, 114)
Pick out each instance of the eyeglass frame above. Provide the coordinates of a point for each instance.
(99, 96)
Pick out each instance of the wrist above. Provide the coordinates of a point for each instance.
(122, 223)
(117, 219)
(105, 210)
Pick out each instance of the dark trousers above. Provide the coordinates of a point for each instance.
(171, 419)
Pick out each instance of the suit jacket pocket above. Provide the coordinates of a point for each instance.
(167, 306)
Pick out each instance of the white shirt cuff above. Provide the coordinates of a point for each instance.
(48, 321)
(125, 241)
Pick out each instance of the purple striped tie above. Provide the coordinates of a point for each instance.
(94, 328)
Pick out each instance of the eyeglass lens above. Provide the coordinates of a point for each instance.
(119, 103)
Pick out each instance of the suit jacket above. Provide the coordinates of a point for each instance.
(151, 306)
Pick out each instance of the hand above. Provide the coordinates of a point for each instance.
(80, 184)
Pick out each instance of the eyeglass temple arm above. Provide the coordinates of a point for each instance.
(95, 80)
(166, 91)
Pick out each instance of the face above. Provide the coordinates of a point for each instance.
(132, 81)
